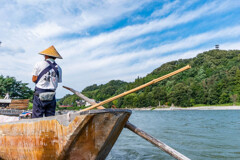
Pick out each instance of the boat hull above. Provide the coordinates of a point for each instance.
(88, 135)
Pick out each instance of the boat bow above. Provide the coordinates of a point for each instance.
(86, 135)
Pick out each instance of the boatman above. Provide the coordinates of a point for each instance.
(46, 76)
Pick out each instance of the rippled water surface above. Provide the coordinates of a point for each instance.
(207, 134)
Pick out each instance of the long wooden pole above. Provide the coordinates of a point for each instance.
(137, 88)
(172, 152)
(138, 131)
(91, 101)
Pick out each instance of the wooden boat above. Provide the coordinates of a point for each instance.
(85, 135)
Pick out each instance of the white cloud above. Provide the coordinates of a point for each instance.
(230, 46)
(48, 29)
(86, 45)
(91, 63)
(122, 53)
(166, 8)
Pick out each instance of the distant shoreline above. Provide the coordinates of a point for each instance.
(190, 108)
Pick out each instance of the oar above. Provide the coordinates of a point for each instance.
(138, 131)
(137, 88)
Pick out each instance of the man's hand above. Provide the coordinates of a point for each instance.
(34, 78)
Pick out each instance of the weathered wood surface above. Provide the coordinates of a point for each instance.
(14, 103)
(19, 104)
(20, 101)
(88, 135)
(138, 88)
(172, 152)
(17, 107)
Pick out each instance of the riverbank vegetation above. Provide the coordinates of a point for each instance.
(214, 79)
(15, 89)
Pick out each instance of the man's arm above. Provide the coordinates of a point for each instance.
(35, 73)
(34, 78)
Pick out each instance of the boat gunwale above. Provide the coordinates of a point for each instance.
(66, 119)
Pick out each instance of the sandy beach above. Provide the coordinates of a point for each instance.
(192, 108)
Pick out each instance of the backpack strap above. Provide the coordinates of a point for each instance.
(51, 66)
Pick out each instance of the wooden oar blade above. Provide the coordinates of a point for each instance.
(91, 101)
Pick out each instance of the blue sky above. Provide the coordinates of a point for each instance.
(111, 39)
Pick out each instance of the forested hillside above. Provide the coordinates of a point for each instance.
(16, 89)
(213, 79)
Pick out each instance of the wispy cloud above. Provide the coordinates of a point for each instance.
(134, 31)
(168, 7)
(104, 40)
(159, 51)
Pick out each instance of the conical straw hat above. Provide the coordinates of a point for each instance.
(51, 51)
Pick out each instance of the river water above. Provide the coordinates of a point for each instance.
(198, 134)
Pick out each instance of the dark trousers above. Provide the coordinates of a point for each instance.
(41, 108)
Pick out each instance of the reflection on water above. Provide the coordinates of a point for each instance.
(199, 135)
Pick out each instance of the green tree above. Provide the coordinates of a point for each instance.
(197, 93)
(213, 78)
(180, 95)
(129, 100)
(236, 82)
(143, 102)
(16, 89)
(224, 98)
(159, 95)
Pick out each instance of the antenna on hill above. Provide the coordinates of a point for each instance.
(217, 46)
